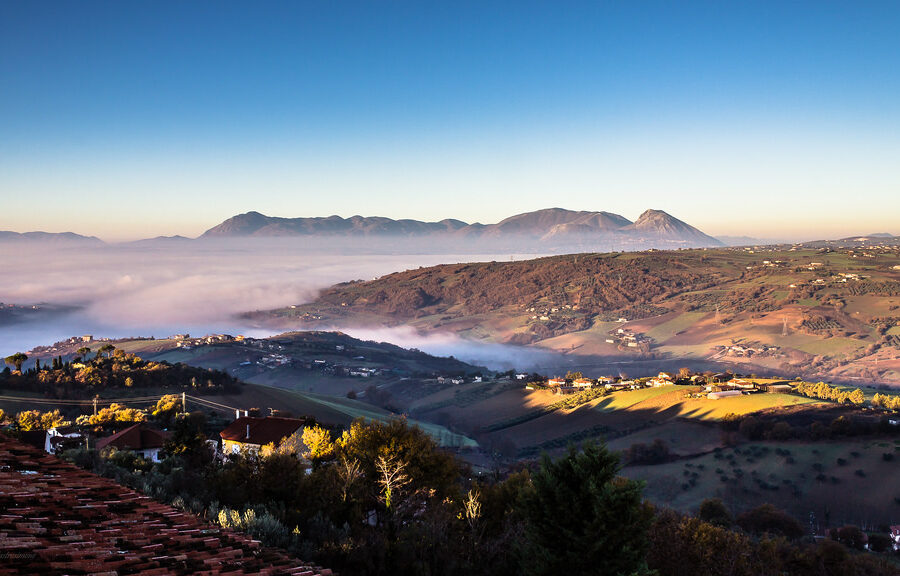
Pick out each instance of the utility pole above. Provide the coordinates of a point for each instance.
(97, 397)
(183, 404)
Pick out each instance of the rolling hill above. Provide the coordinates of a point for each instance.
(829, 314)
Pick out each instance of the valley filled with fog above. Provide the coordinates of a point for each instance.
(198, 287)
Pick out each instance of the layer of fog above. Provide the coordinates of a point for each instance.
(163, 288)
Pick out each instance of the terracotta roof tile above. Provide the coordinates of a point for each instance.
(137, 437)
(58, 519)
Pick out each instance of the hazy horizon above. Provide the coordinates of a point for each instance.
(786, 236)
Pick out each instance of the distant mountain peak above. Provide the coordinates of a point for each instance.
(664, 225)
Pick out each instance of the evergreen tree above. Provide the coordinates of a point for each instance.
(583, 519)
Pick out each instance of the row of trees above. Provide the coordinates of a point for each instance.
(114, 415)
(886, 401)
(824, 391)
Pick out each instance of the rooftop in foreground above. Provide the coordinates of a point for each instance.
(58, 519)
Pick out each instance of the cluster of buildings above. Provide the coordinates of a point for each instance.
(768, 264)
(571, 386)
(544, 313)
(742, 351)
(714, 386)
(627, 338)
(185, 341)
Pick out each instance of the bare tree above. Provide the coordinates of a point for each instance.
(472, 508)
(349, 472)
(391, 477)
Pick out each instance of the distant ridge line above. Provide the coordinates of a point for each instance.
(551, 226)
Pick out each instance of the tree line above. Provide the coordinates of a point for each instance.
(109, 368)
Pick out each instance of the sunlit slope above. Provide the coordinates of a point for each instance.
(819, 313)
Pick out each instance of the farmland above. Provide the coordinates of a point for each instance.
(821, 313)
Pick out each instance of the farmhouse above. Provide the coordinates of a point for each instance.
(140, 439)
(251, 433)
(553, 382)
(582, 383)
(742, 384)
(663, 379)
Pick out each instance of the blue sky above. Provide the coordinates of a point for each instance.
(129, 120)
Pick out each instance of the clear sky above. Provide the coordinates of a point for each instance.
(134, 119)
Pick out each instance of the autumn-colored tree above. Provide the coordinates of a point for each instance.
(288, 445)
(427, 466)
(166, 407)
(115, 413)
(318, 443)
(36, 420)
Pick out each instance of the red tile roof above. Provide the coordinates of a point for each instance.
(137, 437)
(58, 519)
(262, 430)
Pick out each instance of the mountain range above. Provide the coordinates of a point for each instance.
(47, 237)
(550, 228)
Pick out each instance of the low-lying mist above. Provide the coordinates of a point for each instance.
(176, 286)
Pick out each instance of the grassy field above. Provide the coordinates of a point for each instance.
(625, 399)
(673, 326)
(706, 409)
(821, 346)
(669, 397)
